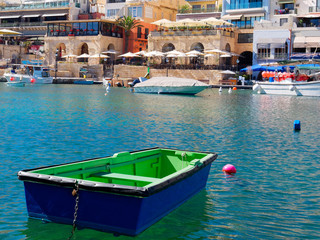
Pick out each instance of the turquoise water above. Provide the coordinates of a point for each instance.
(274, 195)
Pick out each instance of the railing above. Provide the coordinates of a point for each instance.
(245, 5)
(35, 5)
(23, 24)
(200, 10)
(192, 32)
(283, 11)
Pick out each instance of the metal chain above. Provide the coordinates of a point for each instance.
(75, 192)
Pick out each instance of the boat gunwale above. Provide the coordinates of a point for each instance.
(288, 83)
(26, 175)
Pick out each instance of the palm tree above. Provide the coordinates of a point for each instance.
(127, 23)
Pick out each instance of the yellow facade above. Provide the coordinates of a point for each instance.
(156, 10)
(205, 5)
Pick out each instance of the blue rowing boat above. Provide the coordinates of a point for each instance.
(125, 193)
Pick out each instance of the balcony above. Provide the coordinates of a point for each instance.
(192, 32)
(200, 10)
(35, 5)
(245, 5)
(23, 24)
(284, 11)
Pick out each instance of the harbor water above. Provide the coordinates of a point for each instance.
(274, 195)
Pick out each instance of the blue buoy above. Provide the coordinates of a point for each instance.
(297, 125)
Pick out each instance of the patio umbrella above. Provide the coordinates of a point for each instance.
(187, 22)
(225, 56)
(175, 52)
(129, 55)
(9, 32)
(162, 22)
(214, 51)
(210, 55)
(69, 56)
(141, 53)
(111, 51)
(254, 68)
(99, 56)
(154, 54)
(228, 72)
(192, 55)
(84, 55)
(194, 52)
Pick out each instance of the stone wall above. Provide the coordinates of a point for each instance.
(125, 73)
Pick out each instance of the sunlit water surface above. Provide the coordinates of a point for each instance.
(274, 195)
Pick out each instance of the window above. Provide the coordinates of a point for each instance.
(139, 32)
(263, 53)
(245, 37)
(146, 32)
(283, 21)
(211, 7)
(279, 53)
(135, 11)
(112, 12)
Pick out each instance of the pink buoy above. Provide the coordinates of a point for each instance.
(229, 169)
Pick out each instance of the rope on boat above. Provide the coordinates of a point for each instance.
(75, 193)
(183, 155)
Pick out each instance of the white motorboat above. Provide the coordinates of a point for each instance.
(170, 85)
(289, 87)
(31, 74)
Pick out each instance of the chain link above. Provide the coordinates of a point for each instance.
(75, 192)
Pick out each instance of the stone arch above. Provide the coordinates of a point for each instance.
(245, 59)
(61, 49)
(168, 47)
(197, 46)
(14, 58)
(111, 47)
(84, 48)
(227, 61)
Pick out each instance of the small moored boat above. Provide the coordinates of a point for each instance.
(170, 85)
(124, 193)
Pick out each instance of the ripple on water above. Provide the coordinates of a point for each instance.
(274, 195)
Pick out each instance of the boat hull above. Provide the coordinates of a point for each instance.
(28, 78)
(115, 205)
(292, 89)
(185, 90)
(83, 82)
(127, 215)
(16, 84)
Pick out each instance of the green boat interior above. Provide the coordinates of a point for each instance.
(138, 169)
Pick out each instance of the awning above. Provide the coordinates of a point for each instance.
(299, 42)
(31, 16)
(254, 15)
(313, 42)
(5, 17)
(272, 42)
(285, 1)
(54, 15)
(231, 17)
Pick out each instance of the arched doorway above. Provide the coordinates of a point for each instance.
(197, 46)
(168, 47)
(61, 49)
(199, 60)
(245, 59)
(227, 60)
(84, 49)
